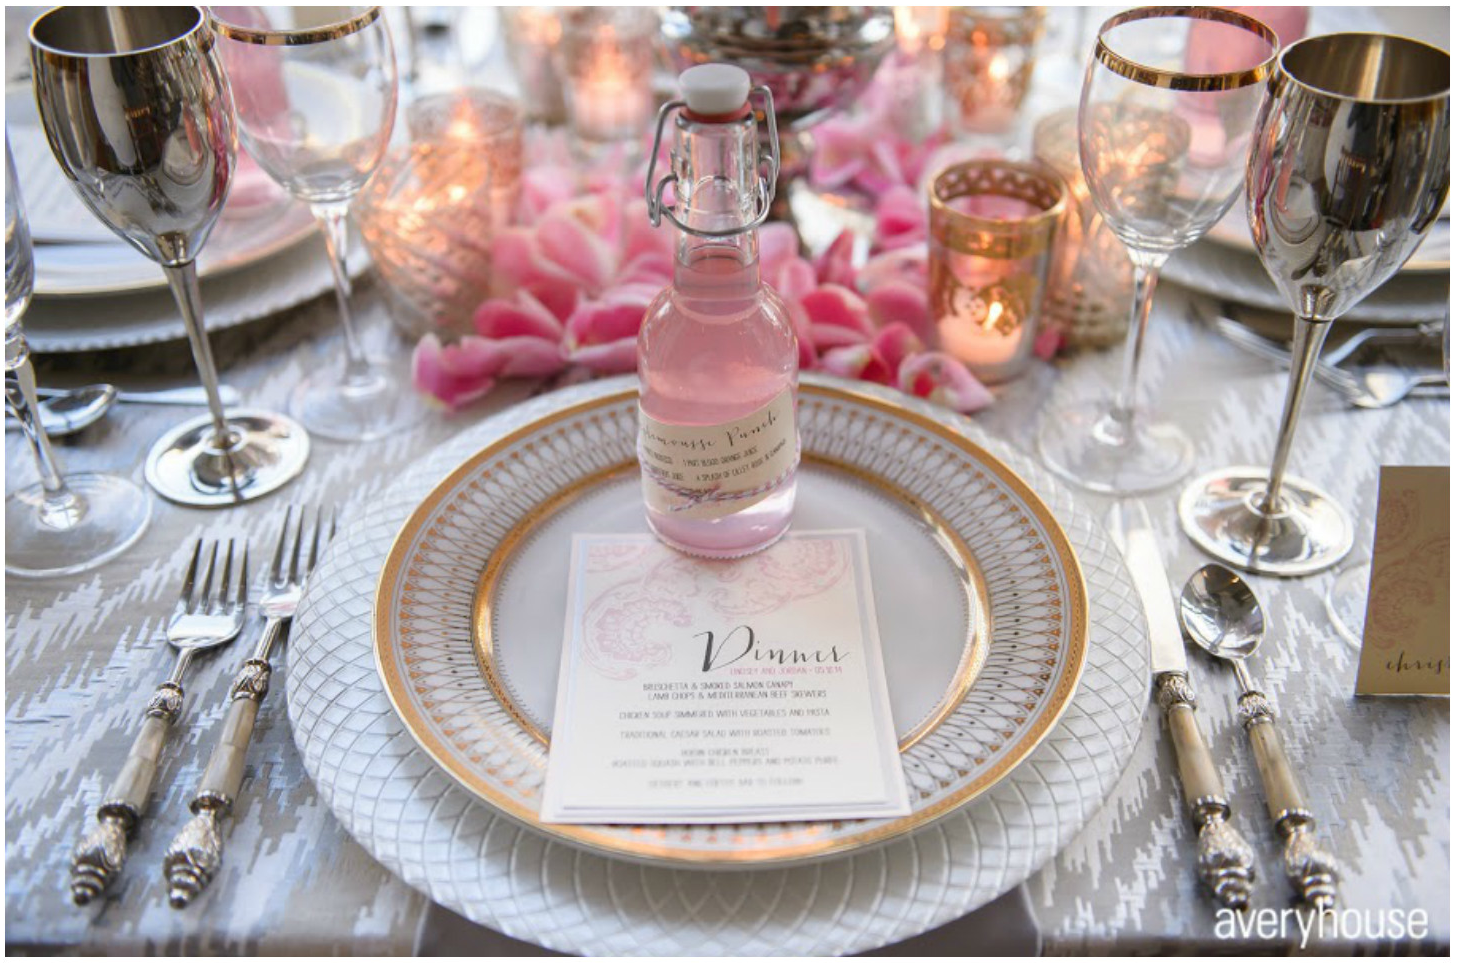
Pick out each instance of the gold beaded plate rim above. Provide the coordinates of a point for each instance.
(608, 839)
(1177, 79)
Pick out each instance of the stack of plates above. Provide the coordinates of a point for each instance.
(423, 663)
(1224, 265)
(93, 292)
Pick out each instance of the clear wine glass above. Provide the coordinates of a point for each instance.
(136, 111)
(65, 523)
(315, 89)
(1349, 171)
(1163, 148)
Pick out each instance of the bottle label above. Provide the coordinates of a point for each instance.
(710, 471)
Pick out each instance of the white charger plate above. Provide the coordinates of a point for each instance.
(491, 868)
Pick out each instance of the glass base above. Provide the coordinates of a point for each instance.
(1088, 448)
(267, 452)
(379, 406)
(1347, 602)
(1307, 534)
(106, 516)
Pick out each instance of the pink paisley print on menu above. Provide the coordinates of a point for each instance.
(632, 624)
(1405, 579)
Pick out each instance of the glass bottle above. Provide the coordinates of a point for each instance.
(717, 355)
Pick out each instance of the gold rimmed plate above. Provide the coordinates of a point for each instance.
(980, 602)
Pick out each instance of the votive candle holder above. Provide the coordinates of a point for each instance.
(989, 61)
(429, 214)
(993, 227)
(1091, 279)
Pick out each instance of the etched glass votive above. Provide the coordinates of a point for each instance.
(988, 64)
(429, 214)
(1091, 280)
(606, 59)
(993, 228)
(532, 35)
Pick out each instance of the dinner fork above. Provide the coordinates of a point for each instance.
(201, 620)
(196, 852)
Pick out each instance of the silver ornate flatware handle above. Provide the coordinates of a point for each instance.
(99, 857)
(196, 852)
(1311, 870)
(1225, 861)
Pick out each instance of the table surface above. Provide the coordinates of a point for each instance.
(83, 652)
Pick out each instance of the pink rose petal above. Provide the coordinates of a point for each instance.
(942, 378)
(895, 342)
(571, 245)
(615, 357)
(523, 315)
(528, 357)
(793, 280)
(840, 154)
(861, 361)
(779, 245)
(836, 316)
(456, 374)
(836, 265)
(1048, 343)
(900, 219)
(899, 303)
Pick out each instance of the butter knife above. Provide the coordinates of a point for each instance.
(1225, 861)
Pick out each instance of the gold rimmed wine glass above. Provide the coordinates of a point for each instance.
(65, 523)
(1163, 150)
(1349, 171)
(315, 90)
(137, 112)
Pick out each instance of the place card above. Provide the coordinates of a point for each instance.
(1406, 633)
(697, 691)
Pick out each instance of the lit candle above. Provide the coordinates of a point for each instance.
(993, 225)
(608, 100)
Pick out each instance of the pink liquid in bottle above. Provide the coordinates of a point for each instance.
(717, 364)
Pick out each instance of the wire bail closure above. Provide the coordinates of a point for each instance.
(765, 196)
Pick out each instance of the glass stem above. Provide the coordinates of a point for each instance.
(1147, 273)
(334, 225)
(1306, 346)
(183, 279)
(60, 507)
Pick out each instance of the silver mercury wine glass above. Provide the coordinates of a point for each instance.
(139, 116)
(1349, 170)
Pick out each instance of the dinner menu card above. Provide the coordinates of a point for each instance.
(696, 691)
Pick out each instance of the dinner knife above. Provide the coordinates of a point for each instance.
(1225, 861)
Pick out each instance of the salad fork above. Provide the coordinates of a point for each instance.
(202, 619)
(196, 852)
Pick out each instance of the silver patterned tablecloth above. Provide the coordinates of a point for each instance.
(82, 653)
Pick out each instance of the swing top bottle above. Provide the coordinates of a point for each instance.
(717, 355)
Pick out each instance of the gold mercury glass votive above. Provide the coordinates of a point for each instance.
(429, 214)
(1091, 280)
(994, 223)
(989, 61)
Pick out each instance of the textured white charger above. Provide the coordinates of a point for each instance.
(465, 855)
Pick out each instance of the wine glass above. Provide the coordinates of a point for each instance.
(1162, 149)
(315, 90)
(136, 111)
(1349, 171)
(66, 523)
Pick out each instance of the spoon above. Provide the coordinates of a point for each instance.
(1221, 614)
(65, 411)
